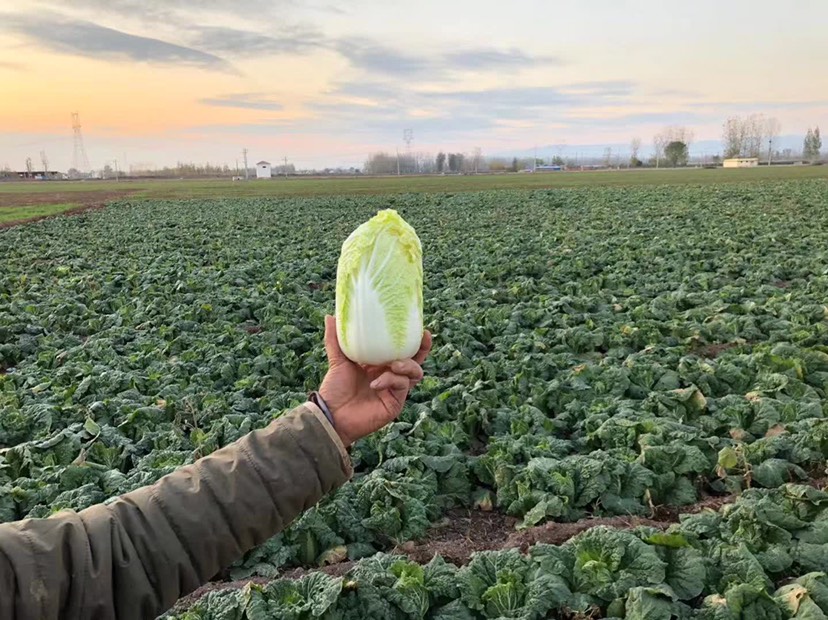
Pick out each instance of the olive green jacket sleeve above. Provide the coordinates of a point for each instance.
(136, 556)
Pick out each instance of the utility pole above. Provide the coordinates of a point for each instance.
(408, 136)
(246, 170)
(770, 151)
(80, 161)
(398, 161)
(116, 171)
(535, 160)
(286, 172)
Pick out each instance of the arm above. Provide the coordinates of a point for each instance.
(136, 556)
(133, 558)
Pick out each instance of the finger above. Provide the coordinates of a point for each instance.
(332, 348)
(408, 368)
(390, 381)
(425, 348)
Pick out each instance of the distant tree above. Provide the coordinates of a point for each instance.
(635, 147)
(452, 162)
(381, 163)
(456, 162)
(461, 162)
(812, 145)
(772, 128)
(477, 159)
(732, 137)
(558, 161)
(748, 136)
(496, 164)
(676, 153)
(441, 161)
(675, 133)
(514, 164)
(608, 157)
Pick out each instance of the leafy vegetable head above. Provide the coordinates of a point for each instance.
(379, 291)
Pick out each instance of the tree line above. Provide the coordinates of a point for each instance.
(749, 136)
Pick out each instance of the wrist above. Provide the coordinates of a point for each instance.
(318, 399)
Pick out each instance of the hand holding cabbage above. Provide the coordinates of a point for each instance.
(376, 343)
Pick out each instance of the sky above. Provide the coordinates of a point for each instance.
(325, 84)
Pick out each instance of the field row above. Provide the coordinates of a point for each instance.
(597, 352)
(765, 556)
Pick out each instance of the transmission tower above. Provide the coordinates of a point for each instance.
(44, 160)
(80, 161)
(246, 169)
(408, 137)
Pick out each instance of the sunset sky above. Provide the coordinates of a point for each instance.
(158, 81)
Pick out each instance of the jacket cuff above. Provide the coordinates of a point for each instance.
(347, 466)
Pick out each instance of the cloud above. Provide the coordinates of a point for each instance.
(677, 117)
(487, 59)
(514, 97)
(353, 121)
(758, 106)
(603, 88)
(248, 101)
(518, 97)
(293, 40)
(366, 90)
(10, 66)
(386, 107)
(374, 57)
(182, 11)
(88, 39)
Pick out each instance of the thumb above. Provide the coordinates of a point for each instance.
(332, 348)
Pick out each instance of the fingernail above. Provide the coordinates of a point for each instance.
(375, 384)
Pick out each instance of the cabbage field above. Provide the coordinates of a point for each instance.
(625, 413)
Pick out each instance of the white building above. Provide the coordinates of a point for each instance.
(741, 162)
(263, 170)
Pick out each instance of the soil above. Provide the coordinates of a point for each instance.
(459, 534)
(712, 351)
(464, 532)
(86, 201)
(29, 220)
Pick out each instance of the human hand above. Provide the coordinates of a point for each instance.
(363, 399)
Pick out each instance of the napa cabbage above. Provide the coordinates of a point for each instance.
(379, 291)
